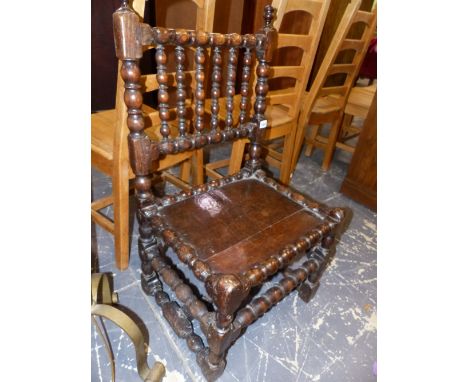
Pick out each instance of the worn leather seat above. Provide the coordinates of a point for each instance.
(240, 224)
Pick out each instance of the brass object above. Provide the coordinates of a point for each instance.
(102, 300)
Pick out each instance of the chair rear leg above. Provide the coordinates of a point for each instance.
(310, 139)
(331, 143)
(288, 148)
(120, 190)
(185, 170)
(237, 154)
(198, 173)
(347, 121)
(298, 141)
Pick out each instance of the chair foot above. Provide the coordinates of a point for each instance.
(210, 371)
(307, 290)
(150, 284)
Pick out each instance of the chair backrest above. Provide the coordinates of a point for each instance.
(341, 43)
(204, 21)
(315, 11)
(131, 35)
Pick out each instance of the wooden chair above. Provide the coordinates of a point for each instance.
(325, 104)
(358, 104)
(285, 101)
(109, 149)
(232, 233)
(360, 183)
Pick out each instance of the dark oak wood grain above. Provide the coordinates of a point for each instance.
(238, 225)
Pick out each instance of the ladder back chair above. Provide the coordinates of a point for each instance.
(285, 102)
(109, 148)
(358, 104)
(325, 104)
(231, 233)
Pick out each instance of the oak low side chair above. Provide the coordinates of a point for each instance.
(109, 148)
(293, 59)
(324, 103)
(231, 233)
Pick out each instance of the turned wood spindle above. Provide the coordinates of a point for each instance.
(230, 89)
(244, 103)
(183, 292)
(199, 91)
(263, 69)
(192, 307)
(275, 294)
(133, 100)
(163, 94)
(215, 87)
(261, 89)
(181, 93)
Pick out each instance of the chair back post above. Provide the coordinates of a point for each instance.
(129, 49)
(120, 149)
(267, 39)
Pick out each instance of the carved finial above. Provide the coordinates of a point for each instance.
(268, 14)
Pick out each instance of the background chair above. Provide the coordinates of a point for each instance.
(109, 147)
(360, 183)
(232, 233)
(358, 104)
(325, 104)
(287, 82)
(369, 65)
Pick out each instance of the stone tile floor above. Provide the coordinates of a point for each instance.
(333, 338)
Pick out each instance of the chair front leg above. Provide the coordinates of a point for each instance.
(331, 143)
(120, 191)
(185, 170)
(310, 286)
(227, 293)
(310, 139)
(285, 170)
(149, 247)
(198, 173)
(237, 155)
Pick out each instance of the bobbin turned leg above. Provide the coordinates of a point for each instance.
(148, 245)
(148, 248)
(179, 316)
(310, 286)
(227, 293)
(129, 50)
(212, 358)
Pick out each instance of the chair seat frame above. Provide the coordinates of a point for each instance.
(222, 326)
